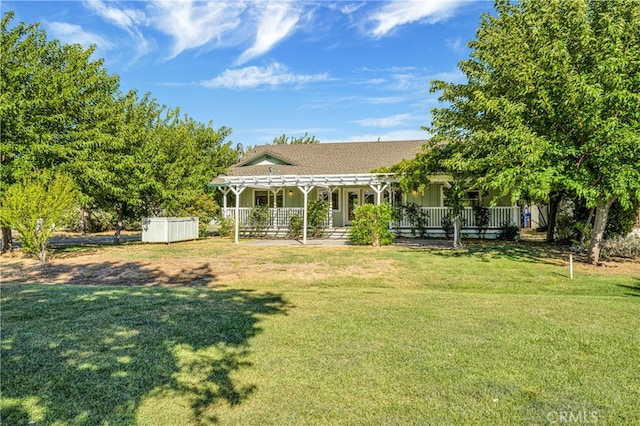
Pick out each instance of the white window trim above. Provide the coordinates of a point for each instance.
(269, 195)
(337, 191)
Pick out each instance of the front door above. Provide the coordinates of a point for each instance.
(353, 201)
(356, 197)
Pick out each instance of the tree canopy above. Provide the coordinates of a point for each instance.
(61, 111)
(551, 103)
(291, 140)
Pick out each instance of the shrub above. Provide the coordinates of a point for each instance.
(226, 226)
(317, 212)
(447, 225)
(565, 230)
(482, 216)
(36, 208)
(371, 225)
(418, 218)
(619, 246)
(296, 223)
(202, 206)
(621, 221)
(259, 220)
(509, 231)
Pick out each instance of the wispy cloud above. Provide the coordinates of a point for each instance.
(71, 33)
(391, 121)
(127, 19)
(249, 77)
(276, 22)
(194, 24)
(395, 135)
(124, 18)
(398, 13)
(455, 44)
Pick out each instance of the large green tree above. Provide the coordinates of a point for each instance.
(551, 104)
(60, 110)
(56, 104)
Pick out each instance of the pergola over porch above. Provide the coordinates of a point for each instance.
(378, 182)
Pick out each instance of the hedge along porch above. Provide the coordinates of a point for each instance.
(286, 178)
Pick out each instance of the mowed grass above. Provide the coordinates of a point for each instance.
(493, 334)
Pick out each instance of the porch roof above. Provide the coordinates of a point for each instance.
(323, 181)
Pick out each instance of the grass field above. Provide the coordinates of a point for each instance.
(210, 333)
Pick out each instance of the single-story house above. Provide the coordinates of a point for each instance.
(287, 177)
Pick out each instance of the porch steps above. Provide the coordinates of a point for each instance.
(336, 233)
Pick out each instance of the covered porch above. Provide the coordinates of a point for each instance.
(289, 196)
(280, 217)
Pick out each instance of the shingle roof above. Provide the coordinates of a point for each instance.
(327, 158)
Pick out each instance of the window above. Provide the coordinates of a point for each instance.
(323, 194)
(265, 198)
(467, 199)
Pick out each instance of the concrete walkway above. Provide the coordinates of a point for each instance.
(328, 242)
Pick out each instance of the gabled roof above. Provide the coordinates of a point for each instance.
(326, 158)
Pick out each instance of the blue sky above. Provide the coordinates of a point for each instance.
(338, 70)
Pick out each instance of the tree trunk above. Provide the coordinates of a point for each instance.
(83, 212)
(7, 240)
(457, 232)
(43, 251)
(554, 202)
(116, 236)
(602, 214)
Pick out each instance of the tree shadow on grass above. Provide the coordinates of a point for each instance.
(634, 288)
(90, 355)
(109, 273)
(522, 251)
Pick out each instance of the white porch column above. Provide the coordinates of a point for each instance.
(306, 189)
(225, 191)
(379, 188)
(275, 191)
(237, 190)
(331, 189)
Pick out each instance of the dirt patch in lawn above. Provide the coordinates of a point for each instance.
(99, 267)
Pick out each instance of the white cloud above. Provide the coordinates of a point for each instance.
(129, 20)
(124, 18)
(396, 135)
(72, 34)
(384, 100)
(391, 121)
(194, 24)
(455, 44)
(276, 22)
(273, 75)
(397, 13)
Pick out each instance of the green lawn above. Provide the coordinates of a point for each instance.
(494, 334)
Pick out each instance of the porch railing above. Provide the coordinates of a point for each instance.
(435, 215)
(280, 217)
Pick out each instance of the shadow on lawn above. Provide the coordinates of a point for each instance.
(634, 288)
(104, 355)
(109, 273)
(523, 251)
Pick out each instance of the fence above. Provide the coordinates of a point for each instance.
(169, 229)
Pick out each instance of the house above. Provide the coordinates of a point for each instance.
(286, 177)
